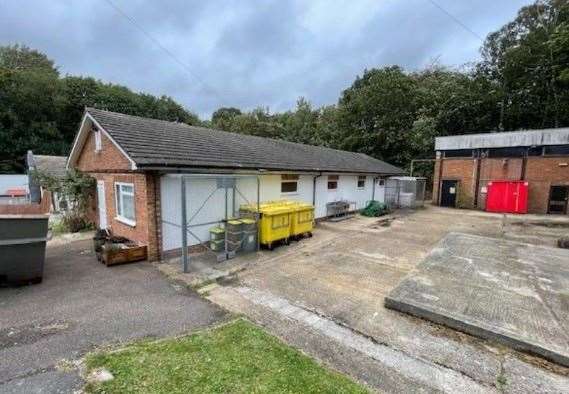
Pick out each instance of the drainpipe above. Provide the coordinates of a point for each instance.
(314, 189)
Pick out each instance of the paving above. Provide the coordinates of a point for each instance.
(82, 305)
(511, 292)
(343, 275)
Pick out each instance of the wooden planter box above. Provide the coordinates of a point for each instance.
(112, 256)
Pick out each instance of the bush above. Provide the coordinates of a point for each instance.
(74, 223)
(374, 209)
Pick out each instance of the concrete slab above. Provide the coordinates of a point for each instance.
(514, 293)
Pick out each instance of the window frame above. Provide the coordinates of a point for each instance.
(119, 203)
(98, 140)
(332, 179)
(360, 180)
(561, 148)
(289, 179)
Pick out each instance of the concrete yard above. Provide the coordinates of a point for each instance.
(512, 292)
(325, 295)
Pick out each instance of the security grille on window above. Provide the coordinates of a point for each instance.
(361, 181)
(332, 182)
(124, 193)
(289, 183)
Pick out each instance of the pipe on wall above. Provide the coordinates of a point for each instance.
(314, 188)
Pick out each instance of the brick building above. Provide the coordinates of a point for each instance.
(139, 165)
(466, 164)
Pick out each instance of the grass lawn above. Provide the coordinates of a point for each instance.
(235, 358)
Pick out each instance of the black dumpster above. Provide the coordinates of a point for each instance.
(22, 248)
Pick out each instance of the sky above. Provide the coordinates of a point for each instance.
(208, 54)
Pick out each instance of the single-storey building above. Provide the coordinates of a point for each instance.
(466, 164)
(138, 163)
(55, 167)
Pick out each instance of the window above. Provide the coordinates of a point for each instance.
(289, 183)
(333, 182)
(361, 181)
(535, 150)
(98, 142)
(459, 153)
(506, 152)
(556, 150)
(124, 195)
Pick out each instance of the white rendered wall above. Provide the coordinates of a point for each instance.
(198, 189)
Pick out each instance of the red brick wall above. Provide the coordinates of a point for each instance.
(541, 174)
(28, 209)
(463, 170)
(108, 158)
(110, 165)
(144, 231)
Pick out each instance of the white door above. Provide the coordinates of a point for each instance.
(102, 205)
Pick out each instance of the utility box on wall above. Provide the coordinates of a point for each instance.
(507, 197)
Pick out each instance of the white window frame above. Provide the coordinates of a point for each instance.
(358, 181)
(98, 141)
(283, 180)
(119, 201)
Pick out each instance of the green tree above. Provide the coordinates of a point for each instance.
(41, 111)
(377, 112)
(527, 59)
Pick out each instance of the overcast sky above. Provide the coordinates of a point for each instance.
(249, 53)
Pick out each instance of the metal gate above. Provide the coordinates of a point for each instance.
(207, 204)
(405, 192)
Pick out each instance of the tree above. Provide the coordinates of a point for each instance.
(224, 116)
(377, 112)
(22, 58)
(527, 58)
(40, 111)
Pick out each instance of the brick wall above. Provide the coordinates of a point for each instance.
(463, 170)
(109, 166)
(540, 172)
(109, 158)
(28, 209)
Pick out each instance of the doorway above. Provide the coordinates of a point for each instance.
(101, 204)
(449, 190)
(558, 198)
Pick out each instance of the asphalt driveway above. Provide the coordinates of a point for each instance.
(80, 305)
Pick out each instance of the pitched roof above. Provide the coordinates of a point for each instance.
(51, 165)
(158, 143)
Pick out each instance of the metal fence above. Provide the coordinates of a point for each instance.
(208, 202)
(405, 192)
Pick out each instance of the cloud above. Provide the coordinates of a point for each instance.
(248, 54)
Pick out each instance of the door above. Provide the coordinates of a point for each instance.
(102, 205)
(558, 196)
(449, 190)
